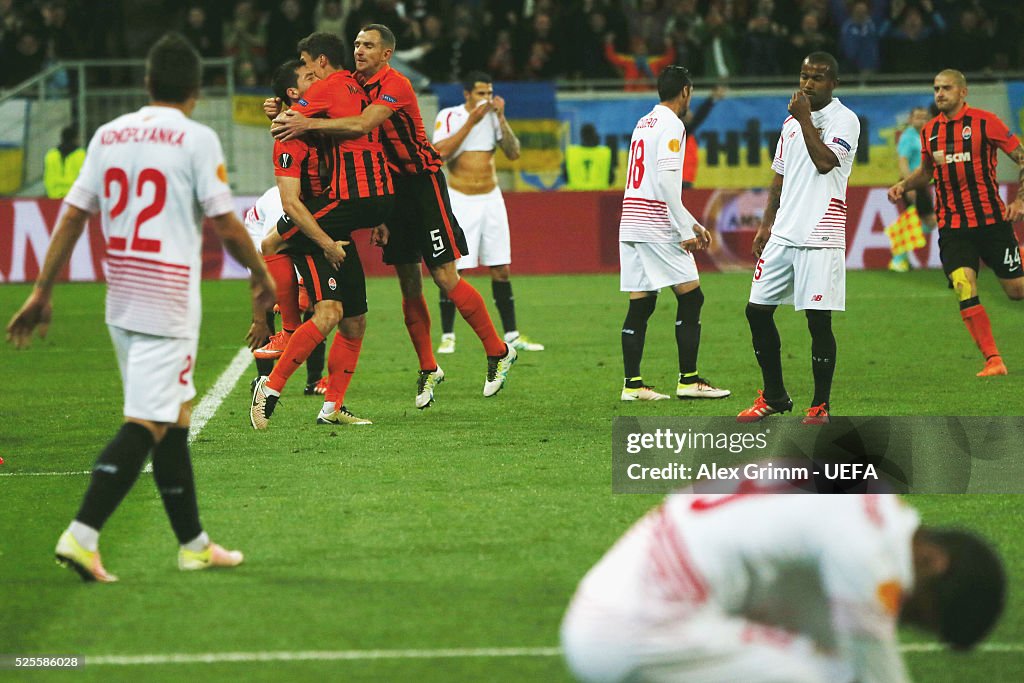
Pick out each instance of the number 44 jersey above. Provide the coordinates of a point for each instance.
(145, 173)
(657, 145)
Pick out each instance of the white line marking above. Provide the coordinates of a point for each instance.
(202, 413)
(460, 653)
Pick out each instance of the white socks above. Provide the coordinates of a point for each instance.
(86, 536)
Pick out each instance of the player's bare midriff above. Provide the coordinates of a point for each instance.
(472, 173)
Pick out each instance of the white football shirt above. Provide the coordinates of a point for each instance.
(261, 216)
(657, 145)
(144, 173)
(483, 137)
(833, 568)
(812, 212)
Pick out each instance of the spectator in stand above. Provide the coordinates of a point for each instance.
(328, 18)
(809, 38)
(199, 31)
(684, 28)
(763, 43)
(590, 50)
(647, 21)
(25, 60)
(639, 69)
(719, 40)
(908, 38)
(289, 24)
(969, 45)
(858, 40)
(245, 40)
(435, 62)
(61, 40)
(502, 62)
(539, 57)
(467, 53)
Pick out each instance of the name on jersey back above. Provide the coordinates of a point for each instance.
(160, 136)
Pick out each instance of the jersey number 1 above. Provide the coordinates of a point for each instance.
(636, 164)
(118, 176)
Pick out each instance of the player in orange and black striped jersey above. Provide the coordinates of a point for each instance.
(423, 226)
(360, 195)
(959, 150)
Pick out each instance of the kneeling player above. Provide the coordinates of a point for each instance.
(779, 588)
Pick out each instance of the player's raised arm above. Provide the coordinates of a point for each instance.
(447, 142)
(37, 311)
(509, 143)
(824, 159)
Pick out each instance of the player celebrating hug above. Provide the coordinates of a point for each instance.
(801, 244)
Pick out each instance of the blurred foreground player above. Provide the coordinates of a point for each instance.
(144, 173)
(778, 589)
(959, 150)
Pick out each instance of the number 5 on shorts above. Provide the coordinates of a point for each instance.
(757, 269)
(436, 241)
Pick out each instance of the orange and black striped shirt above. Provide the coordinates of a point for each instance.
(964, 150)
(297, 159)
(405, 141)
(357, 168)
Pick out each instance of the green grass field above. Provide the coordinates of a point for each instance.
(461, 527)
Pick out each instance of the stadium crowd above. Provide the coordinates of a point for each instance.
(536, 39)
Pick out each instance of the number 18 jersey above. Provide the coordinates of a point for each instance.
(657, 145)
(145, 173)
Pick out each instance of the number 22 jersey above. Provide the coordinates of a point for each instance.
(146, 173)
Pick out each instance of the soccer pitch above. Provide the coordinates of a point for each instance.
(436, 545)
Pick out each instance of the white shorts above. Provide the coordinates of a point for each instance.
(806, 277)
(649, 266)
(156, 373)
(707, 646)
(484, 220)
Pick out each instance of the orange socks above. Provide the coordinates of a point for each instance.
(341, 365)
(302, 343)
(283, 272)
(472, 307)
(978, 324)
(417, 322)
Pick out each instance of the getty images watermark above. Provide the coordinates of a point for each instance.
(850, 455)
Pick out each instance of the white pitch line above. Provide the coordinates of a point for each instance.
(326, 655)
(202, 413)
(458, 653)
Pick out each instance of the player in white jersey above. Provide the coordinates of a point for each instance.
(801, 244)
(144, 173)
(782, 588)
(466, 137)
(260, 222)
(656, 234)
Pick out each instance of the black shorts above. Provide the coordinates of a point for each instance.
(994, 244)
(347, 284)
(337, 217)
(422, 225)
